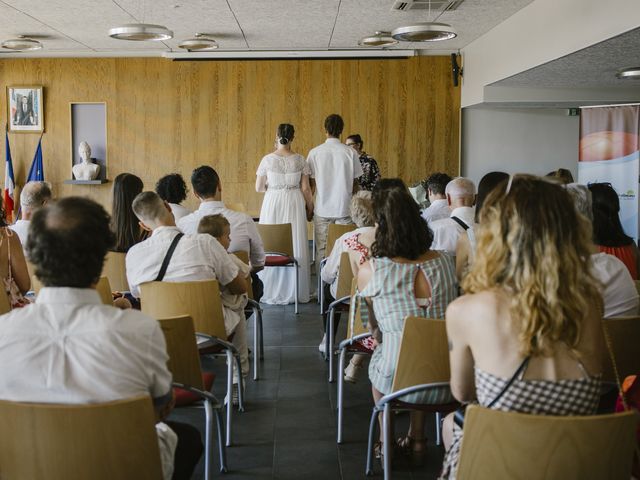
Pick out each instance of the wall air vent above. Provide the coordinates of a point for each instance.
(435, 5)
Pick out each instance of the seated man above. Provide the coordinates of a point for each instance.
(196, 257)
(244, 234)
(70, 348)
(461, 196)
(439, 207)
(33, 196)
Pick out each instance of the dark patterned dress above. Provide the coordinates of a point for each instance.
(371, 172)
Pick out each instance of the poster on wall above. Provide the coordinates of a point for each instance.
(25, 113)
(609, 154)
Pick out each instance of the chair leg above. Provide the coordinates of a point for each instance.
(295, 266)
(330, 343)
(343, 356)
(240, 383)
(372, 431)
(222, 451)
(320, 291)
(208, 440)
(326, 339)
(256, 352)
(230, 362)
(386, 434)
(439, 428)
(261, 334)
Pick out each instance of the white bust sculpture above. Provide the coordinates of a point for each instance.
(85, 170)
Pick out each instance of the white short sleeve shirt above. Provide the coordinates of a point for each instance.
(334, 167)
(197, 257)
(21, 227)
(619, 291)
(446, 231)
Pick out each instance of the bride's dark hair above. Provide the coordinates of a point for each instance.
(285, 133)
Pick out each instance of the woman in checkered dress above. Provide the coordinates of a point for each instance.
(532, 301)
(404, 278)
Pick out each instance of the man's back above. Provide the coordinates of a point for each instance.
(334, 166)
(70, 348)
(196, 257)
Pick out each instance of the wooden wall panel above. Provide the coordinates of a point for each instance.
(165, 116)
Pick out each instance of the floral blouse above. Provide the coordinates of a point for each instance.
(371, 172)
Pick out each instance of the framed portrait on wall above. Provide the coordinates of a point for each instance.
(26, 113)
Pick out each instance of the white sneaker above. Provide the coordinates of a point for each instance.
(323, 345)
(235, 398)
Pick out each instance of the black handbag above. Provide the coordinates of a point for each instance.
(458, 415)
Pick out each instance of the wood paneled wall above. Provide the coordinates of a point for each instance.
(165, 116)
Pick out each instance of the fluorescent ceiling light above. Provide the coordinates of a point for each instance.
(200, 43)
(380, 39)
(294, 54)
(629, 73)
(141, 32)
(21, 44)
(424, 32)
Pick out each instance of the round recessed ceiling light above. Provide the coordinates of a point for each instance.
(629, 73)
(141, 32)
(200, 43)
(380, 39)
(424, 32)
(21, 44)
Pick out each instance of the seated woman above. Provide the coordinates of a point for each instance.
(124, 223)
(172, 189)
(607, 229)
(532, 307)
(403, 278)
(13, 266)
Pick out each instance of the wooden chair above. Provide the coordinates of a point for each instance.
(74, 442)
(278, 246)
(114, 269)
(423, 364)
(237, 206)
(334, 232)
(500, 445)
(355, 332)
(184, 364)
(637, 282)
(256, 310)
(343, 296)
(623, 332)
(201, 301)
(103, 288)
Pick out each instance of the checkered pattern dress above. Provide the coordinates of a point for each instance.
(392, 291)
(537, 397)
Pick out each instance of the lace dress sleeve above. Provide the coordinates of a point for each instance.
(263, 167)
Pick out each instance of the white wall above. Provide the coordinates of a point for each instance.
(518, 141)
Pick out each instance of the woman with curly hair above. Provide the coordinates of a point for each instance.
(532, 310)
(172, 189)
(404, 278)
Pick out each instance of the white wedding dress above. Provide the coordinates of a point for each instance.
(283, 203)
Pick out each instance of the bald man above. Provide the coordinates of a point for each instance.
(461, 197)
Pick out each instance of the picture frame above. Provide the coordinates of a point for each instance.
(25, 109)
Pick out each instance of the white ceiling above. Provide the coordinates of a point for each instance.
(79, 27)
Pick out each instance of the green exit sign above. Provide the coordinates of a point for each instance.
(573, 112)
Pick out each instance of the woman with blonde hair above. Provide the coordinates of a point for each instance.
(532, 312)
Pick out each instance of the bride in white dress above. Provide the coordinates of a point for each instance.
(284, 176)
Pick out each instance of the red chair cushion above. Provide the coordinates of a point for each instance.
(277, 261)
(185, 397)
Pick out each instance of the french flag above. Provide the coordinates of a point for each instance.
(9, 182)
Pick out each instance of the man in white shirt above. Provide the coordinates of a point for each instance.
(196, 257)
(68, 347)
(334, 168)
(439, 207)
(244, 233)
(461, 196)
(33, 196)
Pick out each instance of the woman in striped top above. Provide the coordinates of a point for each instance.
(404, 278)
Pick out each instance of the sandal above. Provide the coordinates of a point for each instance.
(378, 453)
(352, 372)
(411, 447)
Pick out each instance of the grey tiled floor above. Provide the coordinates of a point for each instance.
(288, 429)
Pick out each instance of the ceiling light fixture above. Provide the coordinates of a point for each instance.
(424, 32)
(632, 73)
(200, 43)
(141, 32)
(21, 44)
(380, 39)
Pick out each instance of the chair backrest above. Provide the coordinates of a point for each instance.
(5, 306)
(244, 258)
(73, 442)
(334, 232)
(624, 333)
(637, 282)
(103, 287)
(500, 445)
(358, 326)
(114, 269)
(237, 206)
(424, 353)
(184, 360)
(277, 237)
(200, 300)
(345, 276)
